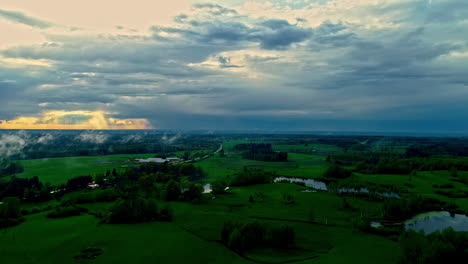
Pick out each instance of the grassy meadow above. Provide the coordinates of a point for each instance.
(325, 228)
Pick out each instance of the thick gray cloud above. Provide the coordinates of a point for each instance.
(216, 67)
(270, 34)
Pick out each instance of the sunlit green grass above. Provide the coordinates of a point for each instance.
(59, 170)
(298, 165)
(43, 240)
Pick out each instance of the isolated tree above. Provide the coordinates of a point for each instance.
(172, 190)
(10, 208)
(193, 192)
(218, 187)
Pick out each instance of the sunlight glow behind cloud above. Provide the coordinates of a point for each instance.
(74, 120)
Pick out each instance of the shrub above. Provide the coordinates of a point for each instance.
(218, 187)
(133, 210)
(104, 195)
(65, 211)
(137, 210)
(9, 168)
(10, 214)
(447, 246)
(245, 237)
(172, 191)
(252, 176)
(336, 172)
(405, 208)
(193, 192)
(259, 196)
(346, 205)
(236, 241)
(165, 215)
(288, 199)
(79, 182)
(10, 208)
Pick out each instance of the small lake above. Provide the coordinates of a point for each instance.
(365, 190)
(433, 221)
(318, 185)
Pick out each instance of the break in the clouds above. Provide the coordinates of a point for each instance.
(73, 120)
(282, 65)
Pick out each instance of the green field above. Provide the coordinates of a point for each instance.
(324, 228)
(59, 170)
(194, 233)
(299, 165)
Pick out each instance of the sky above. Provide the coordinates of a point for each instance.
(284, 65)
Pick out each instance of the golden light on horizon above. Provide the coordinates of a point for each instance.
(87, 120)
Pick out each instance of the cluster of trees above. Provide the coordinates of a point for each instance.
(79, 182)
(10, 213)
(336, 172)
(390, 163)
(107, 179)
(9, 168)
(218, 187)
(447, 246)
(274, 156)
(137, 209)
(28, 189)
(165, 172)
(434, 147)
(255, 147)
(401, 209)
(261, 151)
(66, 211)
(187, 191)
(244, 237)
(92, 196)
(251, 176)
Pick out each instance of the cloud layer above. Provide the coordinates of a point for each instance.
(286, 65)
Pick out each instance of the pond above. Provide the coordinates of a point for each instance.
(365, 190)
(318, 185)
(433, 221)
(207, 188)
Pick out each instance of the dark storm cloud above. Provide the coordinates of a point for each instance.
(270, 34)
(218, 68)
(21, 18)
